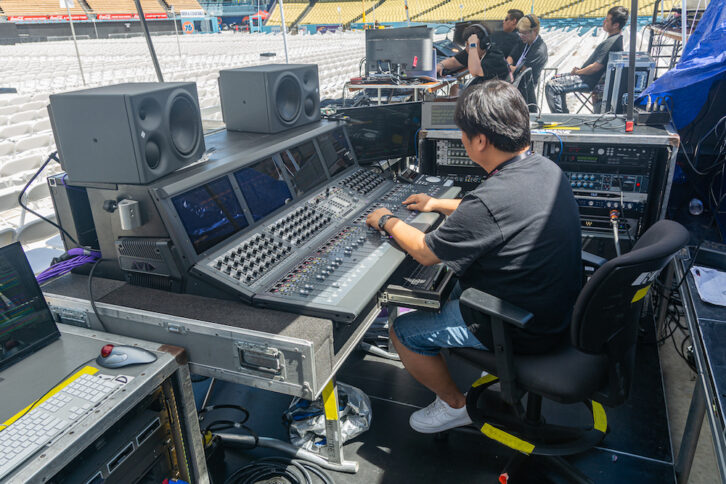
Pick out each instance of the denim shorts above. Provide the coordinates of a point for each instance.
(426, 333)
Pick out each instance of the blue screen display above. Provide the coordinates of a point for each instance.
(210, 213)
(263, 188)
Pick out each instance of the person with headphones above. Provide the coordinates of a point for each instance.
(532, 52)
(483, 59)
(507, 38)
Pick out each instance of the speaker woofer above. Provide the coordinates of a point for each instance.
(309, 106)
(288, 99)
(184, 125)
(152, 153)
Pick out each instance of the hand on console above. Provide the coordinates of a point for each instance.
(421, 202)
(374, 217)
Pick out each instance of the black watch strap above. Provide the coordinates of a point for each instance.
(382, 221)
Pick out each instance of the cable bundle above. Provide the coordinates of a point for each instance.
(284, 469)
(68, 261)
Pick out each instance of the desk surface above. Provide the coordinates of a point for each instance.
(30, 378)
(212, 331)
(707, 325)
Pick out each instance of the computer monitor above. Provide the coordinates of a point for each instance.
(26, 323)
(383, 131)
(210, 213)
(263, 188)
(411, 48)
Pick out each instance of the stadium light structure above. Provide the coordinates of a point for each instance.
(69, 4)
(284, 29)
(152, 52)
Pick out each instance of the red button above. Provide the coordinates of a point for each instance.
(106, 350)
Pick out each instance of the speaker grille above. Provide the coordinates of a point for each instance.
(288, 99)
(139, 248)
(184, 125)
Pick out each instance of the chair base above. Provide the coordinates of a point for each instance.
(526, 431)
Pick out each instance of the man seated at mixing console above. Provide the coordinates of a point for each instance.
(483, 59)
(516, 236)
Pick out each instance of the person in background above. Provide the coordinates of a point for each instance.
(586, 78)
(532, 52)
(483, 59)
(507, 39)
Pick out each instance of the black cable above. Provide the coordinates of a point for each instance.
(90, 296)
(239, 408)
(52, 156)
(283, 469)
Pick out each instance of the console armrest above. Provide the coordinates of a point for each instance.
(495, 307)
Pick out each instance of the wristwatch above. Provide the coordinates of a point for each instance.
(382, 221)
(473, 45)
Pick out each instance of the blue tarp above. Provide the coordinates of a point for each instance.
(702, 63)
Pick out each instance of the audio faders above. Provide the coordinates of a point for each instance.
(318, 257)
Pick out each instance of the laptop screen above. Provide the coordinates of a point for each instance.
(26, 323)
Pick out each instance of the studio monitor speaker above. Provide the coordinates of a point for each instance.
(127, 133)
(269, 98)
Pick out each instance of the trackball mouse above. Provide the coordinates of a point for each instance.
(120, 356)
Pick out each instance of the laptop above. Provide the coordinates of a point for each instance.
(26, 323)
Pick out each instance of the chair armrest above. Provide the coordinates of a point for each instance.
(495, 307)
(502, 317)
(592, 259)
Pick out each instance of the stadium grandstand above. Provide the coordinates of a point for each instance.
(52, 9)
(323, 12)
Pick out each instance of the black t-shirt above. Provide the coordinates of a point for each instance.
(506, 41)
(601, 54)
(517, 237)
(494, 64)
(535, 57)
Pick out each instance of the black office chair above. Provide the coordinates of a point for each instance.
(594, 365)
(524, 82)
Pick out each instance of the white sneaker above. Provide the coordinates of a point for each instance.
(437, 417)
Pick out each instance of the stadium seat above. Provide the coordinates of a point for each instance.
(19, 164)
(31, 143)
(41, 125)
(9, 198)
(8, 109)
(36, 229)
(22, 117)
(16, 130)
(7, 235)
(7, 148)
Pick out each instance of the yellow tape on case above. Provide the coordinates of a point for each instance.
(331, 409)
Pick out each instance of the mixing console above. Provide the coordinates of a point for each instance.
(318, 257)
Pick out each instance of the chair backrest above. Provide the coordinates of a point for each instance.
(606, 314)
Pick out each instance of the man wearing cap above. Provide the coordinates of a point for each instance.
(532, 52)
(586, 78)
(507, 39)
